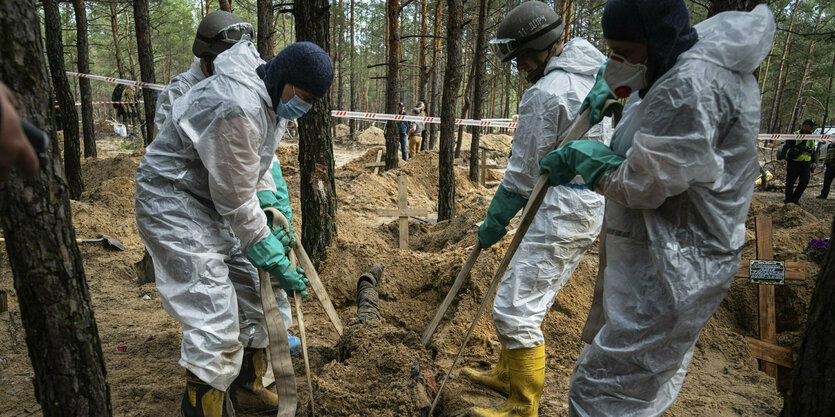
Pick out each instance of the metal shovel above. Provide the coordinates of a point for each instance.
(109, 242)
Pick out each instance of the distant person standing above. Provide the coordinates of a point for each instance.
(799, 163)
(415, 131)
(421, 104)
(404, 128)
(829, 162)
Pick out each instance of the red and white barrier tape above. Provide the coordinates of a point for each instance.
(425, 119)
(78, 103)
(776, 137)
(152, 86)
(513, 125)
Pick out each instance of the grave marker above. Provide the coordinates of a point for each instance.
(403, 212)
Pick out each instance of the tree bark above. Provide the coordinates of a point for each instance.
(316, 165)
(61, 333)
(146, 63)
(829, 95)
(114, 27)
(265, 29)
(66, 104)
(225, 5)
(434, 102)
(452, 79)
(778, 89)
(479, 66)
(352, 123)
(392, 81)
(812, 391)
(423, 75)
(800, 88)
(84, 83)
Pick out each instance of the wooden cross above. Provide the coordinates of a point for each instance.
(377, 165)
(482, 177)
(403, 212)
(765, 348)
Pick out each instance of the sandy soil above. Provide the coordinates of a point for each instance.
(383, 371)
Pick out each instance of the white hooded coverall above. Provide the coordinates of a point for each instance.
(197, 212)
(675, 217)
(570, 217)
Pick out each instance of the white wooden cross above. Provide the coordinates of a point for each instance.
(403, 212)
(378, 164)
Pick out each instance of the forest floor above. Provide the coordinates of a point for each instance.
(369, 372)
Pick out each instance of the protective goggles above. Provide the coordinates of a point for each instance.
(231, 34)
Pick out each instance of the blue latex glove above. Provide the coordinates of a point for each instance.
(279, 200)
(503, 207)
(295, 344)
(587, 158)
(269, 255)
(597, 98)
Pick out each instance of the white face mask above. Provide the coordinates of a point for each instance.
(624, 77)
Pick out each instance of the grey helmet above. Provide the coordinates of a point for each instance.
(532, 25)
(218, 31)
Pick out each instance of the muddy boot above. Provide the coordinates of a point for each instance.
(201, 399)
(496, 379)
(249, 393)
(368, 310)
(527, 377)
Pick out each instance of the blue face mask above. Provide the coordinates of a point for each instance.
(294, 108)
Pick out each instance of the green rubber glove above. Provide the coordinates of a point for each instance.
(503, 207)
(597, 98)
(279, 200)
(269, 255)
(587, 158)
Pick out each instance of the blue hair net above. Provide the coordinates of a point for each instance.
(302, 64)
(662, 25)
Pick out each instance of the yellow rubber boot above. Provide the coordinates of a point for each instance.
(496, 379)
(201, 399)
(249, 392)
(527, 377)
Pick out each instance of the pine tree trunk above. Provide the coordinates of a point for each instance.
(800, 89)
(146, 63)
(424, 32)
(778, 89)
(265, 29)
(225, 5)
(392, 81)
(825, 119)
(61, 333)
(84, 83)
(435, 101)
(114, 27)
(352, 123)
(66, 104)
(131, 62)
(479, 66)
(316, 166)
(452, 79)
(339, 45)
(812, 391)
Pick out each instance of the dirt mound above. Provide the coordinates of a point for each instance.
(372, 136)
(342, 130)
(96, 171)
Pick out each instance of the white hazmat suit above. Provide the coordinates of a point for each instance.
(570, 217)
(675, 217)
(197, 212)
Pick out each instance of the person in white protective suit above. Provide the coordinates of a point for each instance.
(200, 191)
(217, 32)
(570, 217)
(677, 185)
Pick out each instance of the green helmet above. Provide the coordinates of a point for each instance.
(218, 31)
(532, 25)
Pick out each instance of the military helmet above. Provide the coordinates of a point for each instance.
(218, 31)
(532, 25)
